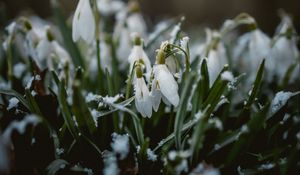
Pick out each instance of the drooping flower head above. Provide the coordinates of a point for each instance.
(142, 99)
(164, 86)
(83, 22)
(138, 53)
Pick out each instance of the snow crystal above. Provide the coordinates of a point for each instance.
(172, 155)
(151, 156)
(29, 82)
(182, 167)
(216, 122)
(120, 145)
(33, 93)
(245, 129)
(13, 102)
(110, 163)
(266, 166)
(59, 151)
(91, 97)
(95, 115)
(19, 69)
(62, 166)
(184, 42)
(112, 100)
(227, 76)
(280, 100)
(201, 169)
(199, 115)
(88, 171)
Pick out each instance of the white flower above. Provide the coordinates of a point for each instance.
(50, 51)
(83, 22)
(109, 7)
(142, 99)
(216, 56)
(138, 53)
(252, 48)
(284, 52)
(164, 87)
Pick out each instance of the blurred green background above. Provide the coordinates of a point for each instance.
(211, 13)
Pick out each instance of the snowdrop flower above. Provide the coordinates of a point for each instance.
(252, 48)
(164, 85)
(284, 52)
(83, 22)
(216, 56)
(129, 20)
(109, 7)
(142, 99)
(138, 53)
(49, 51)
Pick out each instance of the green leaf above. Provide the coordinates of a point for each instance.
(84, 118)
(256, 85)
(253, 127)
(181, 112)
(66, 113)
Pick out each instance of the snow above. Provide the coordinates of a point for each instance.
(91, 97)
(19, 69)
(280, 99)
(227, 76)
(120, 145)
(20, 126)
(13, 103)
(151, 155)
(110, 164)
(201, 169)
(199, 115)
(266, 166)
(59, 151)
(182, 167)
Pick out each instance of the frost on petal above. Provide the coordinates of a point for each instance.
(142, 99)
(168, 85)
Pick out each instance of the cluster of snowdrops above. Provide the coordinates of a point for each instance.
(110, 72)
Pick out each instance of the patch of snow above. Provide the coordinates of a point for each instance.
(13, 103)
(267, 166)
(151, 155)
(19, 69)
(182, 167)
(280, 99)
(20, 126)
(120, 145)
(227, 76)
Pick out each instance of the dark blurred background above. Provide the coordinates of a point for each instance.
(210, 13)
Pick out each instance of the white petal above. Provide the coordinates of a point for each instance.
(142, 100)
(155, 95)
(75, 23)
(168, 85)
(84, 22)
(137, 53)
(43, 49)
